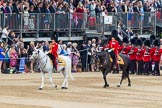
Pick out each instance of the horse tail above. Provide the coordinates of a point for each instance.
(127, 70)
(125, 73)
(69, 71)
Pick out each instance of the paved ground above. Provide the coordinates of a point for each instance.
(21, 91)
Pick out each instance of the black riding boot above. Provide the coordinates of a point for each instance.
(113, 67)
(52, 58)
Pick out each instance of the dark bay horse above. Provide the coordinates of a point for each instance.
(106, 63)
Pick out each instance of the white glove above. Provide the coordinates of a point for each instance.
(109, 50)
(46, 52)
(106, 49)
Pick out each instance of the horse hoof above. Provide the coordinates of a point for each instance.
(65, 88)
(118, 85)
(56, 86)
(40, 88)
(105, 86)
(129, 85)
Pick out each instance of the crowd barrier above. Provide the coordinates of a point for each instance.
(36, 22)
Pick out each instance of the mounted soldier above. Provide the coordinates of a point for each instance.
(113, 44)
(52, 53)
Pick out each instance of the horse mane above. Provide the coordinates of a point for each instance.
(40, 52)
(102, 53)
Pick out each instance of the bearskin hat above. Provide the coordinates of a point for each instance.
(156, 42)
(143, 39)
(119, 40)
(147, 43)
(152, 38)
(139, 42)
(133, 40)
(114, 34)
(125, 40)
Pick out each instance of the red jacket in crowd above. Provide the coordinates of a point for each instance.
(120, 48)
(147, 54)
(139, 55)
(126, 49)
(132, 53)
(157, 54)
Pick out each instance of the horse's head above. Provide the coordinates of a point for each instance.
(35, 54)
(104, 60)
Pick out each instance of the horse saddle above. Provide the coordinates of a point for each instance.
(61, 62)
(119, 60)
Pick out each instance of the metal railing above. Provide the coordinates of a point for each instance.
(34, 23)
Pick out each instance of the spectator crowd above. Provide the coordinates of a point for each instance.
(93, 7)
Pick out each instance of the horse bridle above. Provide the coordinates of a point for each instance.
(41, 59)
(104, 53)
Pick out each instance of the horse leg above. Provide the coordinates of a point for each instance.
(120, 82)
(65, 82)
(42, 84)
(123, 76)
(129, 81)
(127, 74)
(51, 81)
(104, 77)
(66, 79)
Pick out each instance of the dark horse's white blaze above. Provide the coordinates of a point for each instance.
(47, 67)
(105, 67)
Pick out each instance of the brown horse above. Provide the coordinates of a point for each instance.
(106, 64)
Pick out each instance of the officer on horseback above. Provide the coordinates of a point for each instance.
(113, 44)
(53, 53)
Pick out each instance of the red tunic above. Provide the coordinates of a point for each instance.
(120, 48)
(126, 50)
(139, 55)
(54, 49)
(147, 55)
(113, 44)
(157, 54)
(132, 53)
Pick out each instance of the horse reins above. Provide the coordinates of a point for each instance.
(45, 64)
(41, 59)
